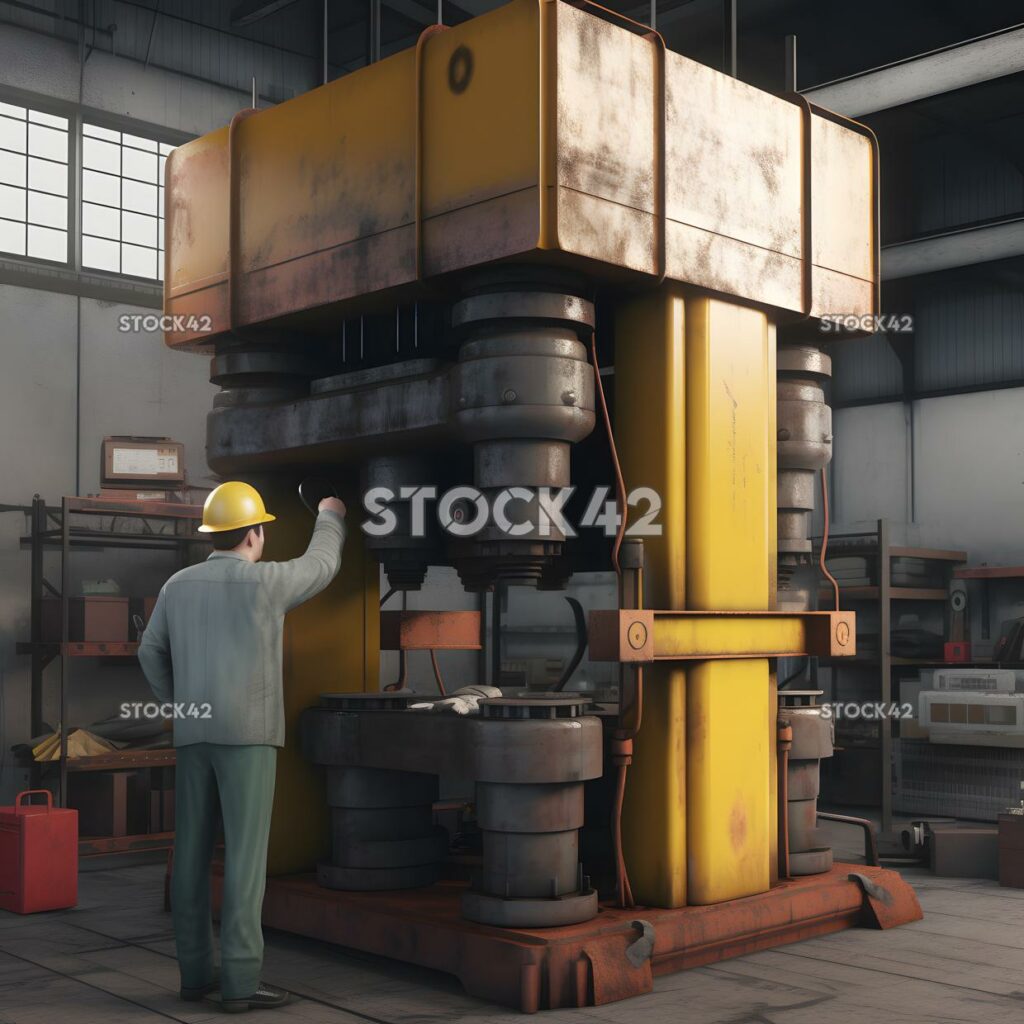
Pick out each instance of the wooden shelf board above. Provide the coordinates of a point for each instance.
(928, 554)
(82, 649)
(895, 593)
(123, 760)
(99, 846)
(989, 572)
(134, 507)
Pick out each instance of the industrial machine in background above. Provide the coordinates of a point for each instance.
(412, 277)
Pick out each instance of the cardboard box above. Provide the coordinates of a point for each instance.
(1011, 850)
(90, 619)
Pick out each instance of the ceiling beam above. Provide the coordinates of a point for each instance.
(962, 248)
(249, 11)
(930, 74)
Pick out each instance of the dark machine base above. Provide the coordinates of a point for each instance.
(614, 956)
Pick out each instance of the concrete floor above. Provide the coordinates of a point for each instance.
(112, 959)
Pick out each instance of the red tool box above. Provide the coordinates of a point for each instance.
(38, 856)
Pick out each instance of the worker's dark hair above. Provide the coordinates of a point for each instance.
(225, 540)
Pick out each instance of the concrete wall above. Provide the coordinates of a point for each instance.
(947, 473)
(955, 475)
(68, 378)
(50, 66)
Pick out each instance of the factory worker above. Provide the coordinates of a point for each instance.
(213, 649)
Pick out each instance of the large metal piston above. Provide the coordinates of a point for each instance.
(812, 741)
(530, 758)
(523, 391)
(804, 446)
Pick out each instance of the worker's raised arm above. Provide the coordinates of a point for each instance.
(297, 580)
(155, 653)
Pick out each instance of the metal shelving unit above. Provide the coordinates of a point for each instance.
(876, 545)
(52, 527)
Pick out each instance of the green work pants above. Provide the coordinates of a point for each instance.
(241, 780)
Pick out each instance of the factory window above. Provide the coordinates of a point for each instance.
(33, 184)
(123, 202)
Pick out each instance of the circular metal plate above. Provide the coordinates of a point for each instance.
(380, 823)
(330, 876)
(798, 698)
(535, 705)
(366, 701)
(548, 807)
(811, 862)
(379, 787)
(392, 853)
(528, 913)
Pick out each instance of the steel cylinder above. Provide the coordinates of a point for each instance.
(530, 838)
(523, 393)
(251, 373)
(382, 830)
(804, 448)
(404, 556)
(812, 741)
(531, 874)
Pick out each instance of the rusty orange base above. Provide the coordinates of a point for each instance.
(601, 961)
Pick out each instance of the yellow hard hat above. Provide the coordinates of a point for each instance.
(233, 505)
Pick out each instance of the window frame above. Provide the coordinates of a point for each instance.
(41, 106)
(149, 134)
(77, 116)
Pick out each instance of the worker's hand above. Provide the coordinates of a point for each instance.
(332, 505)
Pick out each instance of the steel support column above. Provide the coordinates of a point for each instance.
(695, 419)
(730, 518)
(650, 404)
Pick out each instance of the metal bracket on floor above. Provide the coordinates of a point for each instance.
(887, 906)
(641, 950)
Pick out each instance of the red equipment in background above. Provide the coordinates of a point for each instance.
(38, 856)
(956, 651)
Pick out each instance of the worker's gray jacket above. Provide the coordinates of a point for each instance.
(214, 640)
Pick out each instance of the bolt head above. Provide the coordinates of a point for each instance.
(509, 396)
(636, 634)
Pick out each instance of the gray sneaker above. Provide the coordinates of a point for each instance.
(266, 997)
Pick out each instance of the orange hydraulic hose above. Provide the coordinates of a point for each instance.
(399, 683)
(824, 536)
(437, 673)
(623, 741)
(623, 890)
(620, 484)
(785, 743)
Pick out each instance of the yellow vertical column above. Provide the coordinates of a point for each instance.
(331, 644)
(730, 482)
(650, 402)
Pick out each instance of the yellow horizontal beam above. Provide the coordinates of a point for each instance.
(695, 636)
(646, 635)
